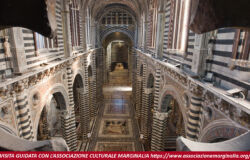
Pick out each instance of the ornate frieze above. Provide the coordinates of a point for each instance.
(26, 82)
(217, 103)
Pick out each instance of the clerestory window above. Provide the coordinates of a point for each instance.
(75, 23)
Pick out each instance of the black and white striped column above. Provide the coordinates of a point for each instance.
(105, 70)
(145, 115)
(194, 114)
(130, 64)
(23, 115)
(69, 125)
(108, 64)
(94, 94)
(84, 113)
(159, 128)
(86, 82)
(138, 97)
(99, 77)
(143, 103)
(91, 99)
(157, 88)
(134, 81)
(138, 91)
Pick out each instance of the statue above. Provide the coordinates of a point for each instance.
(211, 44)
(6, 46)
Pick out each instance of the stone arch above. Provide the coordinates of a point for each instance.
(77, 87)
(169, 89)
(54, 111)
(104, 34)
(77, 83)
(220, 130)
(58, 91)
(170, 103)
(79, 72)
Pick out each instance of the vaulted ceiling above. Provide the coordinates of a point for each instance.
(137, 7)
(117, 36)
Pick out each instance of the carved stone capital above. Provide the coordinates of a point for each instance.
(19, 86)
(91, 79)
(148, 90)
(161, 116)
(70, 62)
(195, 89)
(65, 114)
(139, 78)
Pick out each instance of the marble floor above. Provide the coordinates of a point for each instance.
(115, 128)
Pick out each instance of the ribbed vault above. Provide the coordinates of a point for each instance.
(97, 6)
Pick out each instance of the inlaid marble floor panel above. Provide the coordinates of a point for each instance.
(116, 109)
(115, 146)
(115, 128)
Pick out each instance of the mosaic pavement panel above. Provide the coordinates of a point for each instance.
(115, 128)
(116, 110)
(115, 146)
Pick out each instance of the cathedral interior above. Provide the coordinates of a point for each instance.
(124, 75)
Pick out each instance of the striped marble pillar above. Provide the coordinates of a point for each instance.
(145, 113)
(86, 83)
(143, 95)
(130, 64)
(108, 64)
(194, 115)
(105, 70)
(134, 70)
(146, 116)
(157, 88)
(84, 112)
(99, 78)
(23, 114)
(69, 124)
(138, 89)
(93, 83)
(159, 129)
(138, 97)
(91, 99)
(69, 131)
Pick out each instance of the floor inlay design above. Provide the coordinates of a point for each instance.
(115, 146)
(119, 110)
(115, 128)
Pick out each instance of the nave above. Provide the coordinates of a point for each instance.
(116, 128)
(103, 75)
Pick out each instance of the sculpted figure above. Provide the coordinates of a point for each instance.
(6, 46)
